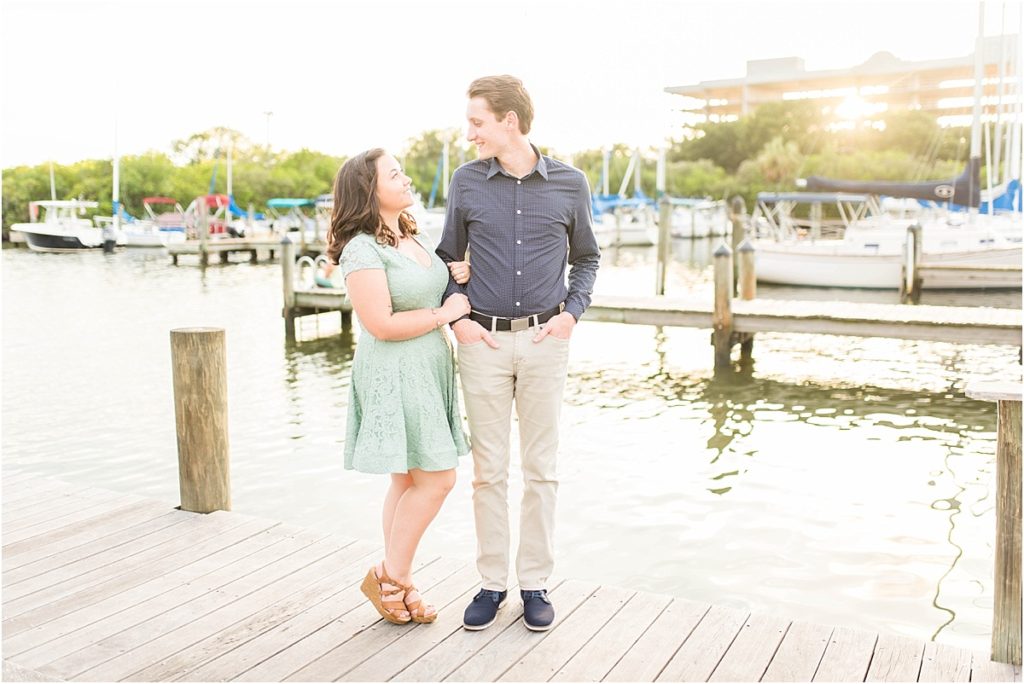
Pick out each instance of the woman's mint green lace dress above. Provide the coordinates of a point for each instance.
(403, 407)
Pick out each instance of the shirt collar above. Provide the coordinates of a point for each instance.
(540, 167)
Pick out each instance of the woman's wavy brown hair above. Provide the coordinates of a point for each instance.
(356, 208)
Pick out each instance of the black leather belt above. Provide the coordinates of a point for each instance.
(514, 324)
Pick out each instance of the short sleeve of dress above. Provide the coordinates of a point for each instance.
(359, 254)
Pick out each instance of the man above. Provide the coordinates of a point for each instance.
(522, 216)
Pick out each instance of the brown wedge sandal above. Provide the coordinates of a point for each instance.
(418, 610)
(387, 596)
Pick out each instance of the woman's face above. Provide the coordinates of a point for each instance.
(394, 188)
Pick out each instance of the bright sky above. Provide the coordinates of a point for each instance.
(340, 77)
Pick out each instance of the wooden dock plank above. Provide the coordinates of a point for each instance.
(985, 670)
(450, 599)
(117, 656)
(944, 663)
(36, 576)
(597, 658)
(57, 538)
(342, 662)
(57, 510)
(170, 543)
(342, 597)
(847, 656)
(231, 597)
(505, 650)
(83, 635)
(973, 325)
(209, 539)
(306, 650)
(344, 570)
(138, 522)
(799, 653)
(567, 638)
(752, 650)
(72, 522)
(460, 644)
(700, 654)
(896, 659)
(658, 645)
(174, 651)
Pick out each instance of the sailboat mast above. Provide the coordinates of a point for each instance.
(979, 74)
(116, 196)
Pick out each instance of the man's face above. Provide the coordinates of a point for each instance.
(490, 135)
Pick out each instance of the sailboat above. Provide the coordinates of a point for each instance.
(870, 252)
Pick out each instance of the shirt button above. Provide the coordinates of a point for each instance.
(517, 303)
(519, 242)
(519, 211)
(519, 182)
(519, 273)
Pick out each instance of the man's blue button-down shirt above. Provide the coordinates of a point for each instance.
(521, 233)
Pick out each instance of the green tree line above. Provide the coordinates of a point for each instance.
(766, 150)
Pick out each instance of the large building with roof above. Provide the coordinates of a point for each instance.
(943, 87)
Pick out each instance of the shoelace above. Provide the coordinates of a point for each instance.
(541, 594)
(487, 593)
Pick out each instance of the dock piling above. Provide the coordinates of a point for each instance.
(199, 365)
(664, 243)
(204, 235)
(288, 277)
(721, 318)
(745, 259)
(910, 286)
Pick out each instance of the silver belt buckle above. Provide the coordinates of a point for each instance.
(519, 324)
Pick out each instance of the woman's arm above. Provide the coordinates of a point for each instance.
(368, 291)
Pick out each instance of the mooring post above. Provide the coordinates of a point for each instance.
(1006, 609)
(204, 233)
(199, 365)
(721, 318)
(910, 286)
(738, 219)
(664, 243)
(288, 281)
(745, 258)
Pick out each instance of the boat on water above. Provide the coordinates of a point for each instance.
(866, 248)
(59, 226)
(699, 217)
(161, 227)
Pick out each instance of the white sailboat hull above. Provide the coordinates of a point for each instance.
(824, 265)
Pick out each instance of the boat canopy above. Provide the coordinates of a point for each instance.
(964, 189)
(605, 203)
(288, 202)
(215, 200)
(159, 200)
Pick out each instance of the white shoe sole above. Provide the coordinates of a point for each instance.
(477, 628)
(536, 628)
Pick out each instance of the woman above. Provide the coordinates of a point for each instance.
(403, 415)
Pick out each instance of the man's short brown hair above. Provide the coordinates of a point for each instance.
(504, 94)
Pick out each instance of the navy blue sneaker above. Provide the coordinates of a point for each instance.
(481, 613)
(538, 613)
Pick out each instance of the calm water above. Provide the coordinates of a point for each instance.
(842, 480)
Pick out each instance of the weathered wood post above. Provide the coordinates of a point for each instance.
(910, 285)
(204, 233)
(664, 243)
(738, 219)
(721, 318)
(1006, 616)
(288, 281)
(199, 365)
(745, 259)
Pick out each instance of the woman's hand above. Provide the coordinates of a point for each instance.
(460, 271)
(455, 307)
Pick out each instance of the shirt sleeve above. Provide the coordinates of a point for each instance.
(455, 239)
(584, 254)
(359, 255)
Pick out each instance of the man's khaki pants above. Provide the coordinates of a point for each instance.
(534, 375)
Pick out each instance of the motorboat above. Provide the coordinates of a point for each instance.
(62, 228)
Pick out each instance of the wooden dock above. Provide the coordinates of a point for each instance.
(102, 586)
(223, 247)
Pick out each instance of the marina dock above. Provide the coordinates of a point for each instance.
(103, 586)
